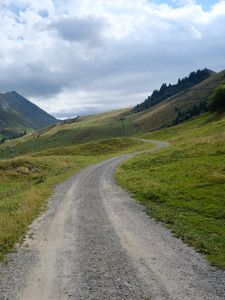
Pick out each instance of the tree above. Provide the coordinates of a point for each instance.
(218, 99)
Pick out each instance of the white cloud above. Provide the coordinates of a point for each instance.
(74, 56)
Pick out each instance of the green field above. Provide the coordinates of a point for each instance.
(184, 185)
(28, 181)
(88, 128)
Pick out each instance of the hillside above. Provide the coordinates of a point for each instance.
(18, 114)
(85, 129)
(183, 186)
(165, 113)
(168, 91)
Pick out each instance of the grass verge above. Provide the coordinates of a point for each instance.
(184, 185)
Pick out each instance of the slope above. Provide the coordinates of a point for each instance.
(85, 129)
(168, 91)
(166, 112)
(184, 185)
(18, 114)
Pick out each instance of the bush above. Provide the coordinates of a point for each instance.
(218, 99)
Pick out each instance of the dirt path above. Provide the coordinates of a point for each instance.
(95, 242)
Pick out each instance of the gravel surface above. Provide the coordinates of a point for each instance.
(96, 242)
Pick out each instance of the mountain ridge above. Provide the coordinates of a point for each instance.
(167, 91)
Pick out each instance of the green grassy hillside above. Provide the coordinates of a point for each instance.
(86, 129)
(184, 185)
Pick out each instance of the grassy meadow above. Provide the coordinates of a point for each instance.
(28, 181)
(86, 129)
(184, 185)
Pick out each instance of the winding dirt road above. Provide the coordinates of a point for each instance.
(95, 242)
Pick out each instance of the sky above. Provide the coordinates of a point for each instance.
(86, 56)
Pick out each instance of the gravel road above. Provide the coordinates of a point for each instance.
(96, 242)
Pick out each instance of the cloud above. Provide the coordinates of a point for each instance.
(87, 29)
(76, 57)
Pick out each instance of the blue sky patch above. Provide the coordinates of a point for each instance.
(206, 5)
(17, 8)
(43, 13)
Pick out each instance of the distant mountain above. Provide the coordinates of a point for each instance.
(17, 114)
(167, 91)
